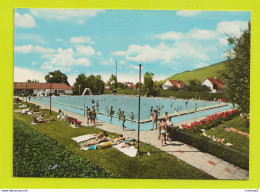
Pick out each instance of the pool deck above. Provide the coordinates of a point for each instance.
(205, 162)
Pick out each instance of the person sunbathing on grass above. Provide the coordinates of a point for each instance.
(128, 144)
(103, 139)
(100, 135)
(41, 120)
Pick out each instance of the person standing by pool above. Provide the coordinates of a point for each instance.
(97, 106)
(93, 103)
(162, 131)
(111, 113)
(151, 111)
(195, 108)
(119, 114)
(169, 124)
(123, 120)
(88, 115)
(132, 116)
(155, 117)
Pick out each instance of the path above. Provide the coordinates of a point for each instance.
(205, 162)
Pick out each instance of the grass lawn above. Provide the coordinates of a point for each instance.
(240, 142)
(158, 165)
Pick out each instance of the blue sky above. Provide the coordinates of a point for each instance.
(90, 41)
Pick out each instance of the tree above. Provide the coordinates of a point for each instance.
(57, 77)
(94, 83)
(137, 85)
(112, 82)
(32, 81)
(80, 84)
(238, 70)
(148, 86)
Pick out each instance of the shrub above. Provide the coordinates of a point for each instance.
(219, 150)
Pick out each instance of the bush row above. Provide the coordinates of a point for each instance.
(219, 150)
(177, 94)
(190, 95)
(37, 155)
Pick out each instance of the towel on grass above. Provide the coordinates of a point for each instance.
(131, 151)
(84, 137)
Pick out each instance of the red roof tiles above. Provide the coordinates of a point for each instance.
(219, 84)
(22, 85)
(130, 84)
(177, 83)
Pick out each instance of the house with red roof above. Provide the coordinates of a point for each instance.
(174, 83)
(216, 85)
(41, 88)
(130, 85)
(106, 87)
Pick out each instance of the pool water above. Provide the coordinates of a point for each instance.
(129, 104)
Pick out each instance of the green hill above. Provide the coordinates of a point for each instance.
(214, 70)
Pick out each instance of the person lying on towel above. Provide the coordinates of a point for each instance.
(41, 120)
(100, 135)
(100, 140)
(129, 143)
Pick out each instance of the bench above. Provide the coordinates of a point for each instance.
(75, 121)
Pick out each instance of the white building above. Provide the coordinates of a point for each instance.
(41, 88)
(215, 85)
(174, 83)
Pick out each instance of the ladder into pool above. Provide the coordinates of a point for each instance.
(89, 91)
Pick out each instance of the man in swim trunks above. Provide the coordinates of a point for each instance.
(119, 114)
(162, 128)
(111, 113)
(97, 106)
(123, 119)
(132, 116)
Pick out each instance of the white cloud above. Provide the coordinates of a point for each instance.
(188, 13)
(58, 40)
(99, 53)
(165, 53)
(223, 41)
(200, 64)
(24, 49)
(134, 67)
(119, 53)
(198, 34)
(122, 62)
(24, 20)
(170, 35)
(202, 34)
(109, 61)
(232, 27)
(23, 74)
(64, 59)
(63, 14)
(30, 48)
(85, 50)
(81, 39)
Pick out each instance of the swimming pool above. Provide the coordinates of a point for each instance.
(129, 104)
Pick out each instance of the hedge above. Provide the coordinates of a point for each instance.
(37, 155)
(190, 95)
(219, 150)
(177, 94)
